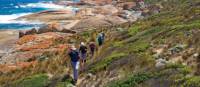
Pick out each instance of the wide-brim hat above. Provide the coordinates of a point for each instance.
(73, 47)
(82, 43)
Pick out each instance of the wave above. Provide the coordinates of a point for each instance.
(8, 19)
(15, 11)
(46, 5)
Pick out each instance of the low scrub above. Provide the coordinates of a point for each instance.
(39, 80)
(106, 62)
(131, 81)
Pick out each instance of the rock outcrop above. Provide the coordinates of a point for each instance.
(51, 27)
(29, 47)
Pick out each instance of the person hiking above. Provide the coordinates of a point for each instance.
(141, 3)
(101, 38)
(74, 55)
(83, 53)
(92, 48)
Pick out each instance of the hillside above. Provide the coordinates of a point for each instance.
(160, 50)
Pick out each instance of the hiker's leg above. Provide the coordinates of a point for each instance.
(92, 52)
(73, 66)
(100, 43)
(84, 57)
(76, 71)
(82, 60)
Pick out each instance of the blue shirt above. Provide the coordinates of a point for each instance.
(74, 55)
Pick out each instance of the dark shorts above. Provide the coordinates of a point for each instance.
(83, 56)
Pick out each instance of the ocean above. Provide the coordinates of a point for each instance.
(12, 9)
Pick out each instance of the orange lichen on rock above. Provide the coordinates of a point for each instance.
(11, 67)
(25, 64)
(32, 47)
(7, 68)
(25, 39)
(42, 45)
(62, 47)
(40, 41)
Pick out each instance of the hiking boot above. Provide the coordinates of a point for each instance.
(74, 82)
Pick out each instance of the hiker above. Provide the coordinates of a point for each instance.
(141, 3)
(92, 48)
(101, 38)
(74, 55)
(83, 53)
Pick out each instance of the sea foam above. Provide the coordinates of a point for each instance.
(6, 20)
(48, 5)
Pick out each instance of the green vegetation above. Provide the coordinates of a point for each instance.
(64, 84)
(106, 61)
(134, 30)
(131, 81)
(187, 26)
(167, 28)
(138, 46)
(174, 66)
(39, 80)
(191, 82)
(179, 72)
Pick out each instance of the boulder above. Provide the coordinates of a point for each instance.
(106, 10)
(178, 48)
(51, 27)
(97, 22)
(98, 2)
(128, 5)
(160, 63)
(27, 32)
(21, 33)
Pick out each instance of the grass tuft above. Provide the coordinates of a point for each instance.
(106, 62)
(39, 80)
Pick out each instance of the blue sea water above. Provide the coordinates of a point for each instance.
(12, 9)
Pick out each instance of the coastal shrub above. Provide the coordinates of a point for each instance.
(186, 70)
(138, 78)
(39, 80)
(131, 81)
(152, 31)
(182, 69)
(66, 83)
(118, 44)
(86, 35)
(191, 82)
(106, 62)
(187, 26)
(174, 66)
(172, 21)
(138, 46)
(134, 30)
(146, 59)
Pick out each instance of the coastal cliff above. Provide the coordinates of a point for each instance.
(152, 46)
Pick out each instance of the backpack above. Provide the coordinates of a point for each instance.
(74, 55)
(83, 49)
(92, 45)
